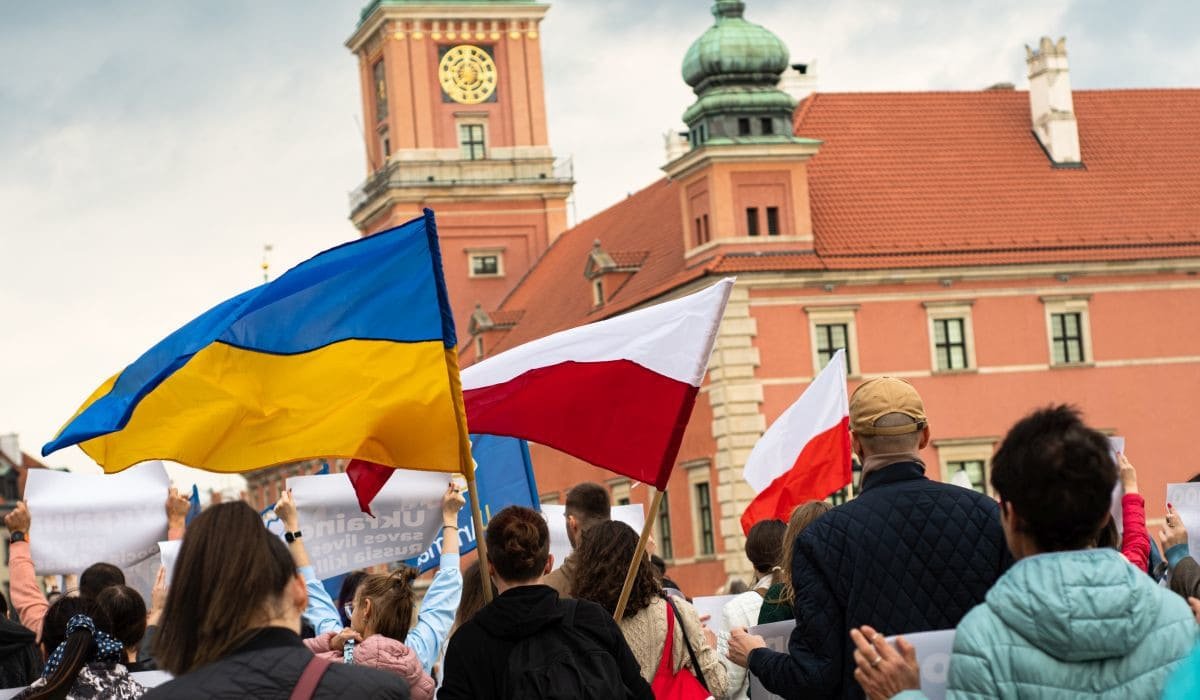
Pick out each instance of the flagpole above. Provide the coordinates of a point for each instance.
(639, 554)
(480, 544)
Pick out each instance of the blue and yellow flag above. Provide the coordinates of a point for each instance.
(350, 354)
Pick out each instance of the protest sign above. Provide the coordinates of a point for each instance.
(933, 656)
(776, 635)
(80, 519)
(167, 552)
(1185, 499)
(503, 477)
(339, 537)
(714, 607)
(1117, 446)
(632, 515)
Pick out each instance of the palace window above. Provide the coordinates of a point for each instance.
(705, 543)
(950, 335)
(772, 221)
(665, 550)
(485, 265)
(471, 141)
(752, 221)
(831, 337)
(975, 471)
(768, 126)
(832, 328)
(743, 126)
(1068, 330)
(964, 460)
(851, 489)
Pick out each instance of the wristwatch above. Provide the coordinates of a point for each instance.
(17, 536)
(292, 536)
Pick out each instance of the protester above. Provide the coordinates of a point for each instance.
(1134, 539)
(346, 594)
(472, 596)
(660, 566)
(381, 613)
(99, 576)
(1185, 571)
(587, 505)
(232, 616)
(158, 600)
(125, 611)
(907, 555)
(527, 643)
(763, 544)
(777, 603)
(20, 657)
(427, 636)
(1067, 620)
(85, 661)
(607, 549)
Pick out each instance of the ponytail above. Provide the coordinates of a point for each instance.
(392, 601)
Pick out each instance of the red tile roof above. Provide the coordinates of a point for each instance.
(929, 179)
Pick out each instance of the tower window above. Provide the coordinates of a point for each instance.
(380, 80)
(743, 126)
(478, 347)
(772, 221)
(598, 293)
(385, 144)
(704, 227)
(471, 142)
(486, 265)
(752, 221)
(768, 126)
(699, 232)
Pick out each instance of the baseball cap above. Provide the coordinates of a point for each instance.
(878, 397)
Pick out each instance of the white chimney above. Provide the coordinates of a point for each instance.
(10, 448)
(799, 80)
(676, 144)
(1050, 102)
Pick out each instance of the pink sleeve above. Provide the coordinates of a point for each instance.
(27, 596)
(320, 643)
(1135, 541)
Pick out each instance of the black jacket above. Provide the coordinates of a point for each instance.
(477, 655)
(268, 667)
(20, 658)
(908, 555)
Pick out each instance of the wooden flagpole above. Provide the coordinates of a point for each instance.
(480, 545)
(639, 555)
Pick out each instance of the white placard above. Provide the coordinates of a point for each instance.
(339, 537)
(168, 551)
(81, 519)
(1185, 499)
(776, 635)
(933, 656)
(560, 546)
(714, 606)
(1117, 445)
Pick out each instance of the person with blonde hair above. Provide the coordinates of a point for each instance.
(777, 603)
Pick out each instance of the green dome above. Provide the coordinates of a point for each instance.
(734, 51)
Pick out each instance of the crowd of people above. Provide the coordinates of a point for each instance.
(1046, 598)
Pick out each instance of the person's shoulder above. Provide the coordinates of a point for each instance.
(356, 681)
(586, 612)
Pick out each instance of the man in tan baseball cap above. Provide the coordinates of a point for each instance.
(887, 423)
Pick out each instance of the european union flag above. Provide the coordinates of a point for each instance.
(350, 354)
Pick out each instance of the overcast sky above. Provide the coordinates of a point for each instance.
(148, 150)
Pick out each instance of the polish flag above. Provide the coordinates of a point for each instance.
(617, 393)
(805, 455)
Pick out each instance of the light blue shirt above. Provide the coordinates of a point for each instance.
(433, 622)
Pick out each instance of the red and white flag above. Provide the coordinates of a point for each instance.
(617, 393)
(805, 454)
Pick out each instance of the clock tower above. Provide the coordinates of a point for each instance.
(455, 120)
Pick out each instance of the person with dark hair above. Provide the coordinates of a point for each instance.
(942, 543)
(587, 505)
(125, 611)
(20, 657)
(777, 603)
(763, 544)
(1068, 620)
(660, 566)
(232, 617)
(528, 643)
(84, 660)
(427, 637)
(346, 594)
(649, 614)
(99, 576)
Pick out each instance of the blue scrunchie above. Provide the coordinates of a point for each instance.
(104, 649)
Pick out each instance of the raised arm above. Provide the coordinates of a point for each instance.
(445, 592)
(321, 613)
(1135, 539)
(177, 510)
(27, 596)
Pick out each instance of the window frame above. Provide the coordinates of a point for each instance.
(772, 214)
(463, 145)
(473, 253)
(378, 76)
(620, 490)
(665, 546)
(699, 473)
(767, 125)
(958, 450)
(1069, 305)
(946, 310)
(752, 228)
(833, 315)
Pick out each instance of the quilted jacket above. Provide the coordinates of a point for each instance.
(384, 653)
(1081, 624)
(908, 555)
(268, 667)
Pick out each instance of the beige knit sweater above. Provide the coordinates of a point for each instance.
(646, 633)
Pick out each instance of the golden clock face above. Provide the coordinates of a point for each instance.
(467, 74)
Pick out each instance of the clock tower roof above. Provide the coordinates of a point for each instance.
(376, 4)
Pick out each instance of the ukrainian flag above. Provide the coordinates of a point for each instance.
(350, 354)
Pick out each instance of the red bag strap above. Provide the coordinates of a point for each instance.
(306, 687)
(664, 664)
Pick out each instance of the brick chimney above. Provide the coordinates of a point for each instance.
(1050, 102)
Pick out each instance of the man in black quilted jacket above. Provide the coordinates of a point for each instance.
(907, 555)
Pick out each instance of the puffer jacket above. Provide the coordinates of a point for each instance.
(1082, 624)
(384, 653)
(268, 666)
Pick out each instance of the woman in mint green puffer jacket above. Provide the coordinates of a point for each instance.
(1066, 621)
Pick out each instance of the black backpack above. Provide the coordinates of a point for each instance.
(563, 662)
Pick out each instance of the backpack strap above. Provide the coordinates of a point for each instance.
(687, 643)
(314, 670)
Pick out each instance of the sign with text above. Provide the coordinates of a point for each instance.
(81, 519)
(632, 515)
(933, 656)
(776, 635)
(339, 537)
(1185, 499)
